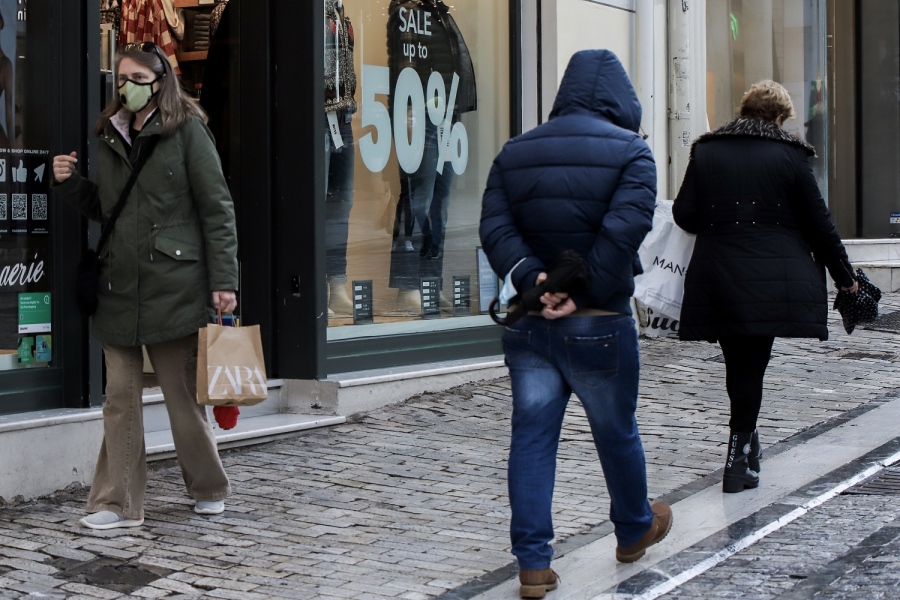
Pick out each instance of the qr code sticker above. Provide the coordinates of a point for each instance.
(20, 207)
(39, 207)
(4, 214)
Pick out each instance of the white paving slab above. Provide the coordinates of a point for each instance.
(587, 572)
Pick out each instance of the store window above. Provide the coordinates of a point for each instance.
(417, 106)
(784, 40)
(879, 118)
(26, 237)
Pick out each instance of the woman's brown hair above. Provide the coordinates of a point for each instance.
(767, 100)
(175, 105)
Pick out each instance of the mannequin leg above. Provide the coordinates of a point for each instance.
(338, 205)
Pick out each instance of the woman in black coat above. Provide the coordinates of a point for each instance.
(762, 226)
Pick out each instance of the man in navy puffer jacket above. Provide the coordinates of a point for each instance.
(583, 181)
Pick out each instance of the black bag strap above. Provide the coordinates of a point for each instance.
(149, 145)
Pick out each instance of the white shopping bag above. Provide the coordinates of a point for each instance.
(651, 323)
(665, 255)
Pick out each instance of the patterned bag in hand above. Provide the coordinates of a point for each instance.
(860, 307)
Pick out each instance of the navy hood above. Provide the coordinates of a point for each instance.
(596, 82)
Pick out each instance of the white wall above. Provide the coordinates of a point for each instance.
(570, 26)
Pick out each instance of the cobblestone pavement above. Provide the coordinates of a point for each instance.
(410, 501)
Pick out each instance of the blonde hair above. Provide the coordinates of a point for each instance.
(767, 100)
(175, 105)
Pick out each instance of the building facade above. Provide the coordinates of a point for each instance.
(357, 136)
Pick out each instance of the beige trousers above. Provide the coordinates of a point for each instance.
(120, 480)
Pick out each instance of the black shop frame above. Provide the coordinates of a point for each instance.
(60, 108)
(299, 317)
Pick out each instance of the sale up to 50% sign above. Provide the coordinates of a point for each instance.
(409, 127)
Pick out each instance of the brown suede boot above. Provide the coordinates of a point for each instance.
(536, 583)
(662, 523)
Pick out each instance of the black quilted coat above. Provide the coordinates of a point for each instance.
(752, 199)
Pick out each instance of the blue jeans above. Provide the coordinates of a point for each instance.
(597, 358)
(339, 165)
(429, 202)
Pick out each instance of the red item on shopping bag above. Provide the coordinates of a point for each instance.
(226, 416)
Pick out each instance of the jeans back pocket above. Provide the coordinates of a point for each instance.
(593, 360)
(517, 348)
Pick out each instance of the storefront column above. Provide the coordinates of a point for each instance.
(687, 84)
(298, 225)
(651, 82)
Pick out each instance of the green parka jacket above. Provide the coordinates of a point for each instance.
(174, 243)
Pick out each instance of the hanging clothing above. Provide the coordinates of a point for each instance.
(145, 21)
(107, 16)
(215, 17)
(220, 76)
(175, 18)
(340, 73)
(444, 50)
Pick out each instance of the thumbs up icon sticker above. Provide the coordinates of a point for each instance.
(20, 174)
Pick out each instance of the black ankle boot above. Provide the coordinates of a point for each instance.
(738, 475)
(755, 452)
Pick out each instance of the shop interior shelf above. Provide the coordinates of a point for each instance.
(193, 3)
(191, 56)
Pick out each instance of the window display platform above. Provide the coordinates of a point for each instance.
(363, 391)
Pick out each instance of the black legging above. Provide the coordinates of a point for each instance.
(746, 359)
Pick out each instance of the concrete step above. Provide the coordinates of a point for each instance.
(884, 274)
(257, 424)
(156, 418)
(864, 251)
(250, 430)
(154, 395)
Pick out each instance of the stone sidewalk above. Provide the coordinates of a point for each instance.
(410, 501)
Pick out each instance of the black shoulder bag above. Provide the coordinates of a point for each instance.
(89, 268)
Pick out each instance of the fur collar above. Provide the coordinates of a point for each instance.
(749, 127)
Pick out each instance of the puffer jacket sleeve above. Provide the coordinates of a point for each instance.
(214, 205)
(818, 228)
(625, 225)
(501, 239)
(81, 193)
(686, 208)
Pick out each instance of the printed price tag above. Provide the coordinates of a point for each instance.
(462, 296)
(363, 304)
(430, 287)
(335, 130)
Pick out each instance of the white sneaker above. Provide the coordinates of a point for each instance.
(409, 246)
(210, 508)
(106, 519)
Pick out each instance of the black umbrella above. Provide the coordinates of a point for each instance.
(569, 273)
(859, 307)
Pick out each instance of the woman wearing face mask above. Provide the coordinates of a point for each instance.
(170, 260)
